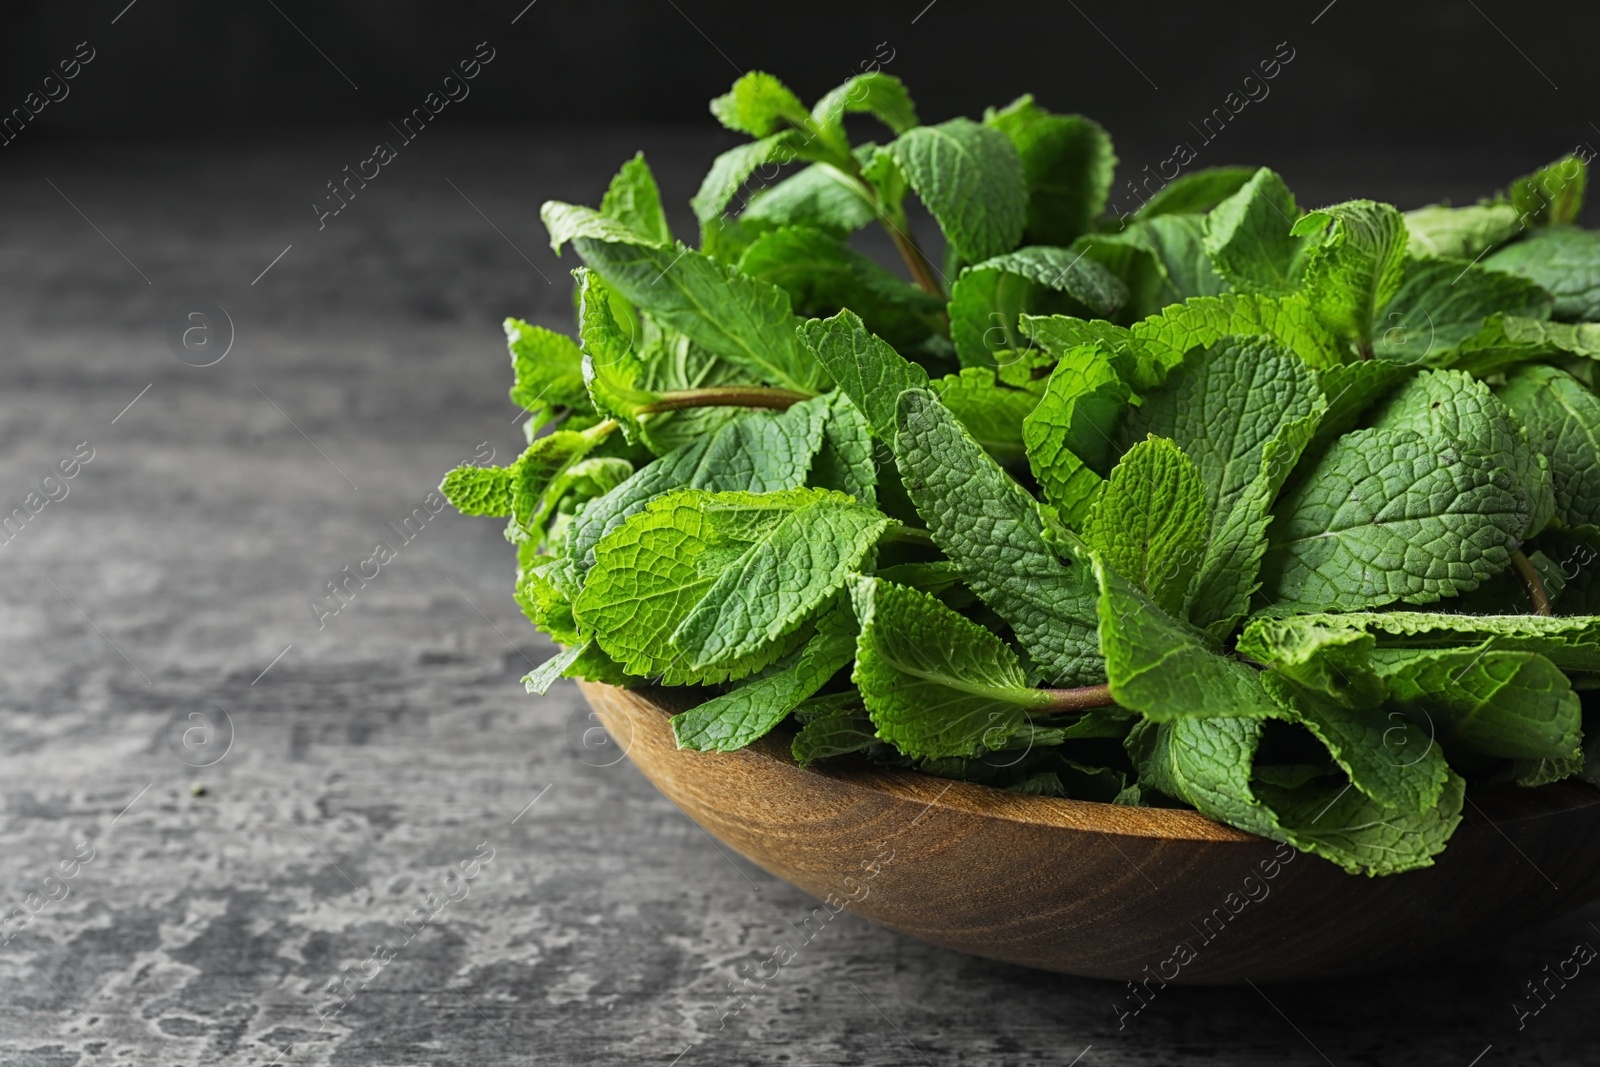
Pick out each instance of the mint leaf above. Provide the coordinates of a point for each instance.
(836, 732)
(539, 680)
(611, 371)
(634, 200)
(548, 368)
(1069, 432)
(1355, 265)
(732, 169)
(883, 96)
(1287, 321)
(1131, 258)
(818, 195)
(1563, 423)
(865, 367)
(652, 570)
(1248, 237)
(1067, 162)
(1207, 762)
(1333, 661)
(760, 453)
(541, 476)
(1551, 195)
(1454, 406)
(569, 222)
(1506, 340)
(934, 682)
(1197, 192)
(1178, 244)
(1351, 389)
(1243, 411)
(748, 713)
(1573, 644)
(1442, 303)
(1149, 522)
(822, 274)
(1389, 515)
(845, 462)
(1138, 357)
(788, 565)
(1515, 705)
(759, 104)
(746, 321)
(987, 299)
(970, 179)
(479, 490)
(1565, 262)
(1164, 668)
(989, 409)
(1387, 757)
(1460, 232)
(990, 527)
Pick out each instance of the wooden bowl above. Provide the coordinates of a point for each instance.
(1148, 894)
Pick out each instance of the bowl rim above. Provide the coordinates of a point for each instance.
(1495, 805)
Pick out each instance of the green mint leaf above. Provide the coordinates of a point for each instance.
(1248, 237)
(634, 200)
(838, 732)
(1389, 515)
(1506, 340)
(539, 680)
(744, 320)
(1149, 522)
(548, 368)
(733, 168)
(1551, 195)
(671, 362)
(1514, 705)
(990, 527)
(611, 371)
(1069, 432)
(1140, 359)
(1573, 644)
(818, 195)
(1287, 321)
(1164, 668)
(1208, 762)
(789, 564)
(883, 96)
(762, 452)
(1565, 262)
(1131, 258)
(651, 571)
(759, 104)
(1196, 193)
(1454, 406)
(846, 461)
(1330, 660)
(748, 713)
(1460, 232)
(971, 181)
(934, 682)
(544, 590)
(541, 476)
(1442, 303)
(1243, 411)
(1563, 424)
(479, 490)
(1355, 265)
(822, 274)
(990, 410)
(866, 368)
(1389, 758)
(570, 222)
(1351, 389)
(1178, 244)
(1067, 162)
(987, 299)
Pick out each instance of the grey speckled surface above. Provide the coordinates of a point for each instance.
(379, 752)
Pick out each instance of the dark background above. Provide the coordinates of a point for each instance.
(1438, 72)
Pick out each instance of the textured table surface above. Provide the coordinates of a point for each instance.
(241, 865)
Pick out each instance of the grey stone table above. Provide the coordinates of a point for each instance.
(253, 806)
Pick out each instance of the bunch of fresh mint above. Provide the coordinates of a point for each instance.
(1286, 516)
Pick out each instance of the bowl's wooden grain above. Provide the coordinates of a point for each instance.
(1105, 891)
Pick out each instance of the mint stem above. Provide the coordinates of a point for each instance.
(1084, 699)
(726, 396)
(1537, 596)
